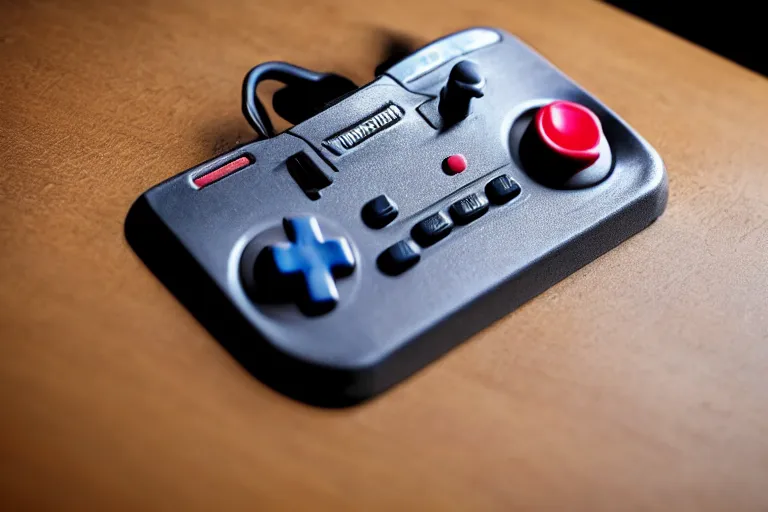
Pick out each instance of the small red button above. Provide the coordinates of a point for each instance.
(570, 130)
(455, 164)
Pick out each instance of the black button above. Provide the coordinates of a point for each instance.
(502, 189)
(379, 211)
(307, 175)
(399, 257)
(432, 229)
(469, 208)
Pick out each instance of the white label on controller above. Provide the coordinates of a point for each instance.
(365, 129)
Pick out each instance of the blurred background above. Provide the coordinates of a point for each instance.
(733, 29)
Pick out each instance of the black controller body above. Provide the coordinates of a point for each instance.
(292, 259)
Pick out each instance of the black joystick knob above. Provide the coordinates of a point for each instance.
(464, 83)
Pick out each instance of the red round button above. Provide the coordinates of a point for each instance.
(570, 130)
(455, 164)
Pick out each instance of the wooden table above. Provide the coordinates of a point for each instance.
(639, 383)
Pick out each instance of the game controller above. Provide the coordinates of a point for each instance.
(395, 220)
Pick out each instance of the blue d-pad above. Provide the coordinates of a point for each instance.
(315, 260)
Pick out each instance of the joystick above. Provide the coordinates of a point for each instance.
(464, 84)
(395, 220)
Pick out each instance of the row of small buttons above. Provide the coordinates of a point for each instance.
(405, 254)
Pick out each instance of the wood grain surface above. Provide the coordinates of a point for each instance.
(639, 383)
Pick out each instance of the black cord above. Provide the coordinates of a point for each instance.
(291, 76)
(253, 110)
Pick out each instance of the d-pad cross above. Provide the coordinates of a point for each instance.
(315, 260)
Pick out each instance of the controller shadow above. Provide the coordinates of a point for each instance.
(167, 259)
(394, 47)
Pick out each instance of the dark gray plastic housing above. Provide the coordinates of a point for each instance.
(385, 328)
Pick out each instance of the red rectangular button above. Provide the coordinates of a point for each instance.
(220, 172)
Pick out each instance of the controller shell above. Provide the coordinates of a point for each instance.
(385, 328)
